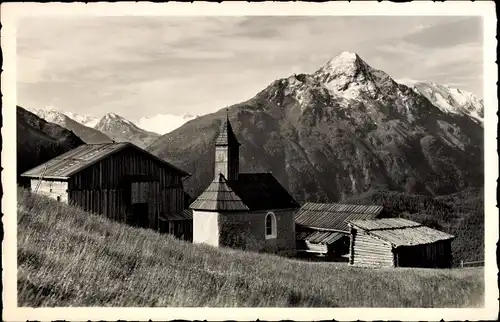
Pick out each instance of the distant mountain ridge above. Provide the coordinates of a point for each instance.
(122, 130)
(111, 127)
(89, 121)
(449, 99)
(337, 132)
(39, 141)
(76, 123)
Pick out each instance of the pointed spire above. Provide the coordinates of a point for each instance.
(226, 134)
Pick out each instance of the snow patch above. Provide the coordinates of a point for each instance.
(451, 100)
(51, 114)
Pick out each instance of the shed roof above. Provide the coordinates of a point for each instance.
(186, 214)
(251, 192)
(333, 216)
(401, 232)
(321, 237)
(78, 159)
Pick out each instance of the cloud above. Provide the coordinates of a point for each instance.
(163, 123)
(460, 64)
(146, 66)
(448, 34)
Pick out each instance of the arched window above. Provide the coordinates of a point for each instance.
(270, 225)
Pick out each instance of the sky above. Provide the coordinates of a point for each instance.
(161, 71)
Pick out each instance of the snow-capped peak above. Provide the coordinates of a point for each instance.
(117, 118)
(51, 114)
(348, 75)
(343, 59)
(112, 116)
(449, 99)
(345, 63)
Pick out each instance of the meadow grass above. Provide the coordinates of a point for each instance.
(67, 257)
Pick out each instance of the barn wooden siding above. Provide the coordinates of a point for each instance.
(106, 186)
(369, 251)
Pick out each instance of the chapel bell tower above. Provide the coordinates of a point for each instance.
(227, 153)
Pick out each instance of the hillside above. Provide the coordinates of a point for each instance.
(460, 214)
(338, 132)
(77, 126)
(39, 141)
(122, 130)
(67, 257)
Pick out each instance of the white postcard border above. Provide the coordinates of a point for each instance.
(11, 11)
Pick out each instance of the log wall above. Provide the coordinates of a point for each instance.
(369, 251)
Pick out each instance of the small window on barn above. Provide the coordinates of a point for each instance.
(58, 198)
(270, 225)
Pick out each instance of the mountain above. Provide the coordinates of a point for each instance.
(338, 132)
(39, 141)
(89, 121)
(75, 123)
(449, 99)
(122, 130)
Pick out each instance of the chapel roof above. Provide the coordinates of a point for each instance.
(251, 192)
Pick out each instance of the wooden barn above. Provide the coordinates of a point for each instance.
(122, 182)
(397, 242)
(321, 228)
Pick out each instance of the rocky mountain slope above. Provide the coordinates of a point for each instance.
(449, 99)
(122, 130)
(339, 131)
(39, 141)
(81, 125)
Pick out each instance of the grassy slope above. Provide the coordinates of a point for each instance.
(460, 214)
(67, 257)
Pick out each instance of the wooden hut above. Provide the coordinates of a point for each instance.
(119, 180)
(397, 242)
(178, 224)
(321, 228)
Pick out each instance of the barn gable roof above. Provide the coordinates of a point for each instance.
(334, 216)
(251, 192)
(80, 158)
(401, 232)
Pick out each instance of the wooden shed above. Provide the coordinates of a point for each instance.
(321, 228)
(119, 180)
(397, 242)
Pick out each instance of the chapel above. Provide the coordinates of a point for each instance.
(251, 211)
